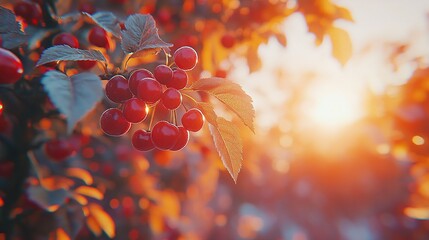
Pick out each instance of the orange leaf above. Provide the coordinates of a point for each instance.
(229, 146)
(103, 219)
(230, 94)
(156, 221)
(80, 199)
(341, 44)
(208, 112)
(62, 235)
(80, 173)
(90, 192)
(93, 225)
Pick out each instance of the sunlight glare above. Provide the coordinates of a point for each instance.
(332, 106)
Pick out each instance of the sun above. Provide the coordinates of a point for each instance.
(330, 105)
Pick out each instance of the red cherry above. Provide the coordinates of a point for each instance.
(179, 80)
(163, 74)
(186, 58)
(29, 11)
(149, 90)
(10, 67)
(58, 149)
(113, 122)
(98, 37)
(142, 140)
(117, 89)
(137, 76)
(164, 135)
(193, 120)
(86, 65)
(164, 16)
(66, 39)
(171, 98)
(182, 140)
(87, 7)
(227, 41)
(135, 110)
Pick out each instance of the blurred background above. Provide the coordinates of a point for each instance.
(341, 148)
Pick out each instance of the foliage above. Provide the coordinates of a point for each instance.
(105, 188)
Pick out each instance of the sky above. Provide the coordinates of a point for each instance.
(336, 98)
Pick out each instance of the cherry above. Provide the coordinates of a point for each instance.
(182, 140)
(58, 149)
(164, 135)
(113, 122)
(171, 98)
(66, 39)
(163, 74)
(29, 11)
(193, 120)
(179, 80)
(185, 58)
(117, 89)
(10, 67)
(86, 65)
(164, 16)
(98, 36)
(142, 140)
(149, 90)
(87, 7)
(137, 76)
(227, 40)
(220, 73)
(135, 110)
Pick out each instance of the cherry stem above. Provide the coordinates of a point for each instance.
(175, 117)
(166, 57)
(125, 63)
(151, 118)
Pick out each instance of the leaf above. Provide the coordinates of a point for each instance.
(107, 20)
(141, 34)
(281, 38)
(208, 112)
(226, 137)
(75, 96)
(343, 13)
(93, 225)
(90, 192)
(103, 219)
(10, 30)
(253, 60)
(231, 94)
(80, 173)
(61, 234)
(341, 44)
(48, 200)
(67, 53)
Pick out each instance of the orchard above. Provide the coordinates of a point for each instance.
(209, 119)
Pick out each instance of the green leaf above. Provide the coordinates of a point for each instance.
(231, 94)
(141, 35)
(341, 44)
(67, 53)
(74, 96)
(226, 137)
(50, 200)
(10, 30)
(107, 21)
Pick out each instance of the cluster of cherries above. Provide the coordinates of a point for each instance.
(144, 90)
